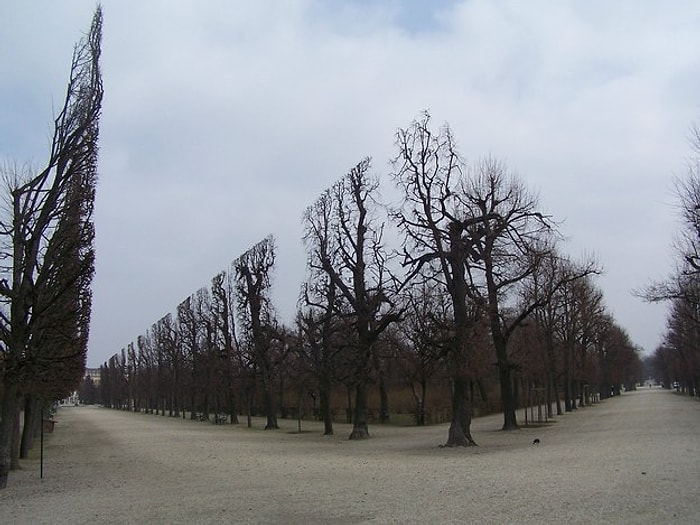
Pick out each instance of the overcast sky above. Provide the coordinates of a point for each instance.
(223, 120)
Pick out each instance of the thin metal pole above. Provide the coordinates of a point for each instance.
(41, 460)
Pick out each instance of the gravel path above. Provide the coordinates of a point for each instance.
(631, 459)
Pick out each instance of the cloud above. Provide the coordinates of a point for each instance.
(224, 120)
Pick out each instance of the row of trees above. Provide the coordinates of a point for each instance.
(463, 277)
(677, 359)
(47, 254)
(222, 341)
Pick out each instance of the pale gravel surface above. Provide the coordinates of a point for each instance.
(631, 459)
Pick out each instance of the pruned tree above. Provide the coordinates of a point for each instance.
(47, 245)
(149, 376)
(205, 359)
(344, 240)
(323, 313)
(253, 271)
(170, 358)
(321, 339)
(214, 366)
(223, 305)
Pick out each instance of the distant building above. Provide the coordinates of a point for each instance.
(74, 398)
(94, 374)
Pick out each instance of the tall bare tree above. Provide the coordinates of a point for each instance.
(548, 318)
(148, 364)
(508, 240)
(344, 240)
(321, 339)
(47, 243)
(190, 336)
(253, 283)
(427, 169)
(679, 355)
(223, 304)
(481, 235)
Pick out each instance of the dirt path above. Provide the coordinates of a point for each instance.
(632, 459)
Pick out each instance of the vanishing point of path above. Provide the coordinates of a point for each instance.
(630, 459)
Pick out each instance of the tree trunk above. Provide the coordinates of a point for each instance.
(459, 434)
(574, 394)
(383, 401)
(567, 381)
(249, 409)
(359, 423)
(557, 398)
(231, 395)
(10, 407)
(32, 412)
(206, 404)
(348, 410)
(507, 395)
(326, 412)
(270, 412)
(14, 449)
(232, 406)
(420, 401)
(423, 399)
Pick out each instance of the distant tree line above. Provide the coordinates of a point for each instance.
(676, 362)
(461, 285)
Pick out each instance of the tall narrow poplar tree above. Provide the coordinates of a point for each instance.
(46, 247)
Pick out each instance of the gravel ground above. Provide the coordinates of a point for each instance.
(631, 459)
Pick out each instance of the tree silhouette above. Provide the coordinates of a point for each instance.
(47, 238)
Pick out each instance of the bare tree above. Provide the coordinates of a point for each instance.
(508, 240)
(421, 340)
(215, 366)
(344, 242)
(317, 316)
(168, 340)
(149, 377)
(47, 242)
(253, 282)
(427, 168)
(189, 332)
(208, 379)
(687, 191)
(320, 342)
(561, 321)
(223, 304)
(547, 318)
(480, 234)
(678, 357)
(618, 361)
(683, 280)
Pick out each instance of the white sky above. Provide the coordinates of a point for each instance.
(222, 120)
